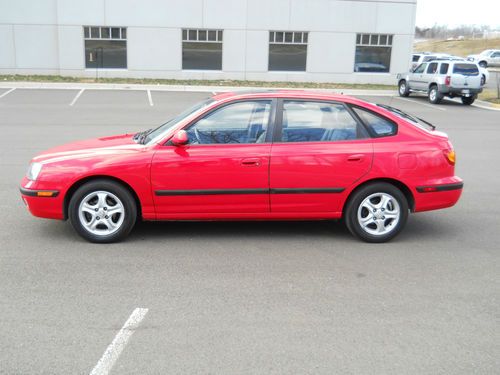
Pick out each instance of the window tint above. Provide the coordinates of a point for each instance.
(318, 122)
(380, 126)
(420, 68)
(243, 122)
(444, 68)
(466, 69)
(432, 68)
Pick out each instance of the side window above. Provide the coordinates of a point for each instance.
(432, 68)
(420, 68)
(415, 58)
(242, 122)
(381, 126)
(444, 68)
(318, 122)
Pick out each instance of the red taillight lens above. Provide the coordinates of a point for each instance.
(450, 156)
(447, 80)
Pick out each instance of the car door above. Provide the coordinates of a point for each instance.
(416, 79)
(495, 59)
(319, 151)
(222, 170)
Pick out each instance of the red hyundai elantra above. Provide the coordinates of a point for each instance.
(274, 155)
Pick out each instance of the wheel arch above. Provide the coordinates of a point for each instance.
(74, 187)
(396, 183)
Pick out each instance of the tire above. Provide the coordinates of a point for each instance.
(89, 209)
(367, 210)
(483, 79)
(482, 64)
(468, 100)
(403, 88)
(435, 96)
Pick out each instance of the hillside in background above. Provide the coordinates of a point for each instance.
(457, 47)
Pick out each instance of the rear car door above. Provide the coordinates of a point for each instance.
(319, 150)
(223, 169)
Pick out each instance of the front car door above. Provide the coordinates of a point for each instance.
(224, 168)
(416, 79)
(320, 149)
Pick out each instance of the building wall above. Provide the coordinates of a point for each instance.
(46, 36)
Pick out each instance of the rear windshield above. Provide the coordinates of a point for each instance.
(466, 69)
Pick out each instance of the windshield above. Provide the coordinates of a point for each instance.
(417, 121)
(158, 133)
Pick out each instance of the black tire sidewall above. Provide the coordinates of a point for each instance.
(439, 96)
(105, 185)
(356, 199)
(468, 100)
(406, 91)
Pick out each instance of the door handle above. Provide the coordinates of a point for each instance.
(356, 157)
(250, 162)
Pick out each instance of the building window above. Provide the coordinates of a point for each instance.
(373, 53)
(202, 49)
(288, 51)
(105, 47)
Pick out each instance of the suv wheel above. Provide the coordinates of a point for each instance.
(377, 212)
(435, 96)
(102, 211)
(403, 89)
(468, 100)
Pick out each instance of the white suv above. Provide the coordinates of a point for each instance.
(440, 78)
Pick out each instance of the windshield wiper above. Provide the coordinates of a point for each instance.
(141, 136)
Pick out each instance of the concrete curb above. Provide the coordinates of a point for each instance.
(187, 88)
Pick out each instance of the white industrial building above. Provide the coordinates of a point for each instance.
(345, 41)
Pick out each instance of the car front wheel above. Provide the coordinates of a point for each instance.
(102, 211)
(403, 89)
(376, 212)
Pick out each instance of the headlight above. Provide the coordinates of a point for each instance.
(34, 171)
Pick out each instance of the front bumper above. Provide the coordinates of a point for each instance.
(41, 200)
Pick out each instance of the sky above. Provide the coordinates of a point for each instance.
(458, 12)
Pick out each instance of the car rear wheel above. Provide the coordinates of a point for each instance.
(435, 96)
(102, 211)
(376, 212)
(468, 100)
(403, 89)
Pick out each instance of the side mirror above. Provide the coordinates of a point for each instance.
(180, 138)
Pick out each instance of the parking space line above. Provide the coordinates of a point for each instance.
(76, 97)
(116, 347)
(7, 92)
(150, 98)
(433, 106)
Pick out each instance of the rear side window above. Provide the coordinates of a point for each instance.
(380, 126)
(305, 121)
(466, 69)
(444, 68)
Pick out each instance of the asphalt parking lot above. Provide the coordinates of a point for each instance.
(246, 298)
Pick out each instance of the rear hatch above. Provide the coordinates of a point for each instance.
(465, 76)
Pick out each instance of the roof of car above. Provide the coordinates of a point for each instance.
(280, 93)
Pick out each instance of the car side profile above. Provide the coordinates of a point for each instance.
(271, 155)
(489, 57)
(443, 77)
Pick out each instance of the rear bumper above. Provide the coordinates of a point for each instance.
(437, 196)
(42, 201)
(459, 91)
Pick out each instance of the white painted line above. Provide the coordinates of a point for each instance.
(76, 97)
(150, 98)
(433, 106)
(7, 92)
(116, 347)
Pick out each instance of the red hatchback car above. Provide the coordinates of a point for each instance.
(273, 155)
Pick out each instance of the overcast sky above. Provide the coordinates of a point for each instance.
(458, 12)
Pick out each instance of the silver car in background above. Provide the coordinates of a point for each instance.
(489, 57)
(440, 78)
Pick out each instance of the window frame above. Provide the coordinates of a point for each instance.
(122, 31)
(269, 132)
(278, 123)
(373, 40)
(272, 41)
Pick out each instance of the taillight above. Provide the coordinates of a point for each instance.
(447, 80)
(450, 156)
